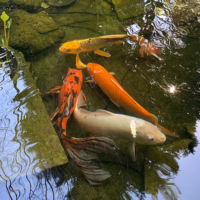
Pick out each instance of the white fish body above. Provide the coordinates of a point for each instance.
(104, 123)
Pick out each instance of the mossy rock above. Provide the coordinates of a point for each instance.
(128, 8)
(33, 32)
(59, 3)
(3, 2)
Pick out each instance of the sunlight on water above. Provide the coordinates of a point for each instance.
(172, 89)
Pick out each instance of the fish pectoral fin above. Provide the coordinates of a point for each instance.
(132, 150)
(54, 113)
(52, 90)
(104, 112)
(102, 53)
(79, 64)
(84, 100)
(112, 73)
(90, 81)
(115, 103)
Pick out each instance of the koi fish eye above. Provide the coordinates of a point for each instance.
(150, 138)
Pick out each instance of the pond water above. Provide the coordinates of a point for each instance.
(33, 164)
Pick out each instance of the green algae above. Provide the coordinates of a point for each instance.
(33, 32)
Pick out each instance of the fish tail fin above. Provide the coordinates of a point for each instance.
(149, 49)
(145, 46)
(84, 151)
(167, 132)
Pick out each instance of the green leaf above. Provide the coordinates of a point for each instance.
(4, 16)
(8, 24)
(3, 43)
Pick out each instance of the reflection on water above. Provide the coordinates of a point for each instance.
(22, 150)
(167, 86)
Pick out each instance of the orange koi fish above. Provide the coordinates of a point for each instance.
(82, 151)
(119, 96)
(93, 44)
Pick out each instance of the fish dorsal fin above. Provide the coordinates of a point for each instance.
(104, 112)
(115, 103)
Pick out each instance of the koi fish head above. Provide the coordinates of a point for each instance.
(70, 47)
(93, 68)
(74, 76)
(149, 134)
(71, 86)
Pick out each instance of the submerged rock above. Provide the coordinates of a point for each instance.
(29, 5)
(128, 8)
(33, 32)
(59, 2)
(184, 12)
(3, 2)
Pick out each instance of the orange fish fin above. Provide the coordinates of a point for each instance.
(153, 120)
(54, 113)
(53, 90)
(167, 132)
(149, 49)
(79, 64)
(152, 49)
(115, 103)
(102, 53)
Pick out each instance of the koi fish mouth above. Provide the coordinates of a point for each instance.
(162, 140)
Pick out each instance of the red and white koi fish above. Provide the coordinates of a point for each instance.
(81, 151)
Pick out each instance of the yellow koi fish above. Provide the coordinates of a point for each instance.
(93, 44)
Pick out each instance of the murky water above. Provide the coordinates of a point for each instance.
(166, 85)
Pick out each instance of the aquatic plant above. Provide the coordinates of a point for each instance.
(7, 24)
